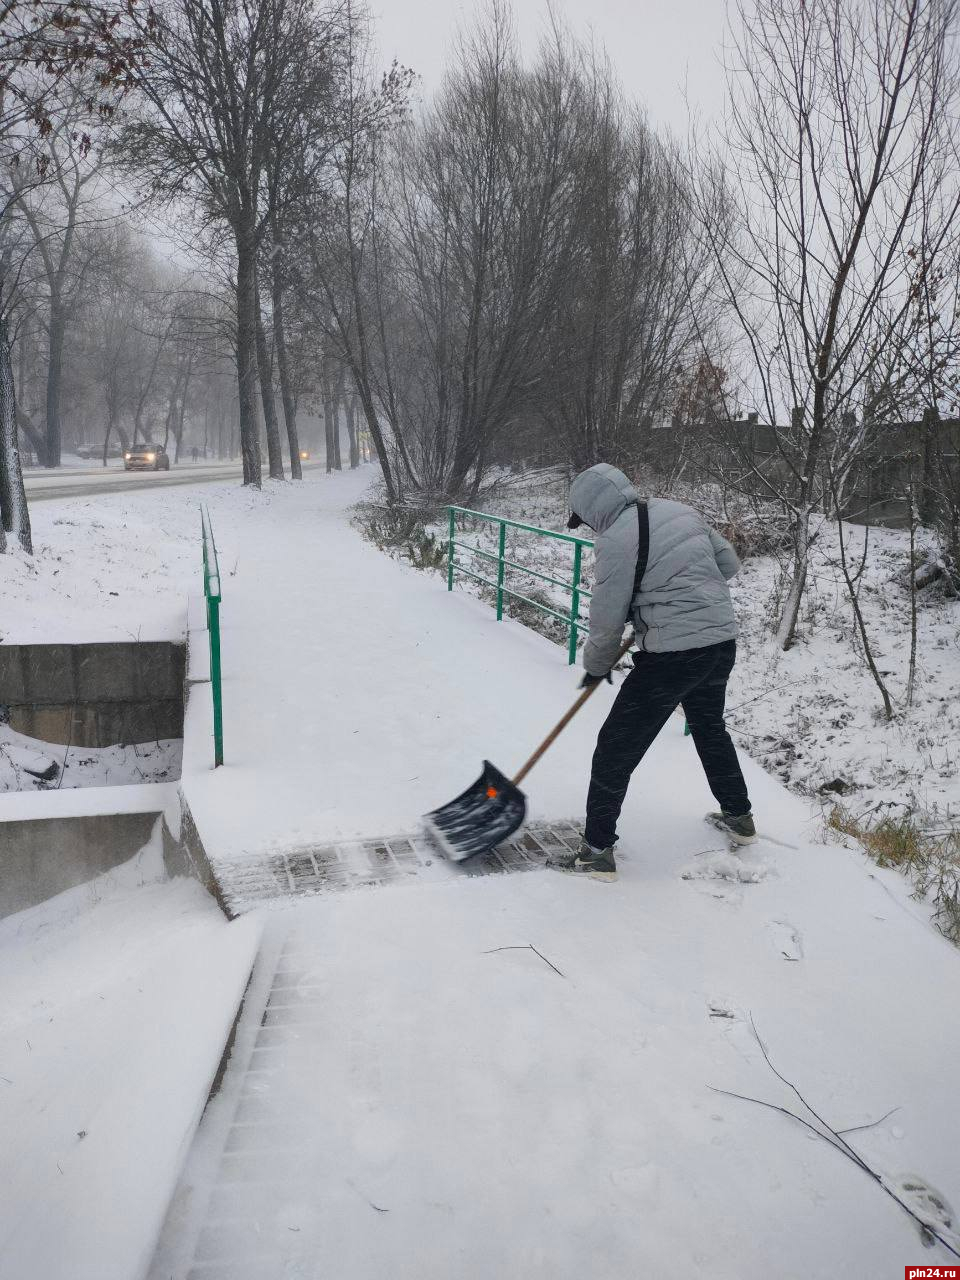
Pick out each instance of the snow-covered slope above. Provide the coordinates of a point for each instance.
(117, 1001)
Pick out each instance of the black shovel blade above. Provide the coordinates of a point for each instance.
(480, 818)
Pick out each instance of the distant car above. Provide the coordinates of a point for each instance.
(304, 455)
(148, 457)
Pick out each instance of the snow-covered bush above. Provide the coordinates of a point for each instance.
(403, 533)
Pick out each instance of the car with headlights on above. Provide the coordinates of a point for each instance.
(147, 457)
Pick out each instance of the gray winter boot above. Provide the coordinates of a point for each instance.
(741, 830)
(599, 864)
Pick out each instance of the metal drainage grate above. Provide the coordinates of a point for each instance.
(305, 870)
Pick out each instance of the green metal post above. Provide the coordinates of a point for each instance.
(213, 610)
(211, 575)
(450, 549)
(575, 603)
(500, 568)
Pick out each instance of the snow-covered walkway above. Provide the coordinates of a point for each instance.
(416, 1092)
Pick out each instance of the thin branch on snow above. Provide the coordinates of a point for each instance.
(858, 1128)
(834, 1138)
(527, 946)
(354, 1186)
(761, 696)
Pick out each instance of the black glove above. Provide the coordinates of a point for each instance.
(589, 681)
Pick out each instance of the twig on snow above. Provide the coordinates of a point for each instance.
(351, 1183)
(858, 1128)
(834, 1138)
(527, 946)
(760, 696)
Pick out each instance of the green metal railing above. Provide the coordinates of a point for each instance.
(578, 593)
(211, 592)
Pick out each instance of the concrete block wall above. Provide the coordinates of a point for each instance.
(94, 695)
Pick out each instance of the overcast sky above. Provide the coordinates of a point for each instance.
(656, 46)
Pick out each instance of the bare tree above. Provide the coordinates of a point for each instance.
(56, 213)
(226, 80)
(43, 44)
(338, 223)
(836, 152)
(484, 199)
(625, 324)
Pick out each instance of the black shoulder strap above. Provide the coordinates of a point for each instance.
(643, 546)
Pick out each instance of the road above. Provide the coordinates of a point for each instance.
(83, 482)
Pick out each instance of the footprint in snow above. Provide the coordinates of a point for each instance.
(723, 1010)
(787, 939)
(720, 864)
(927, 1203)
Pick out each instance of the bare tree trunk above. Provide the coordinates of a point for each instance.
(326, 393)
(274, 451)
(927, 498)
(37, 440)
(861, 625)
(286, 391)
(337, 402)
(220, 423)
(58, 333)
(171, 415)
(14, 513)
(786, 631)
(178, 435)
(114, 425)
(912, 666)
(352, 435)
(247, 359)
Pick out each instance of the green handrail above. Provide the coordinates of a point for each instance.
(211, 592)
(578, 592)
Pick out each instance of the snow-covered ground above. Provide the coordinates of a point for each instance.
(407, 1099)
(814, 716)
(111, 567)
(117, 999)
(26, 763)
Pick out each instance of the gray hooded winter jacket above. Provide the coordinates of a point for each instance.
(683, 602)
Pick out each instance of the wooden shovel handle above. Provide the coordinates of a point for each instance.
(562, 724)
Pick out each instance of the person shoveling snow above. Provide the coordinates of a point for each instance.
(659, 566)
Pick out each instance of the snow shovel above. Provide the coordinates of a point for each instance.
(494, 807)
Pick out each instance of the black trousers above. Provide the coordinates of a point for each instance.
(695, 679)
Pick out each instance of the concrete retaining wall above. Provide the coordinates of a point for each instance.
(94, 695)
(54, 843)
(42, 857)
